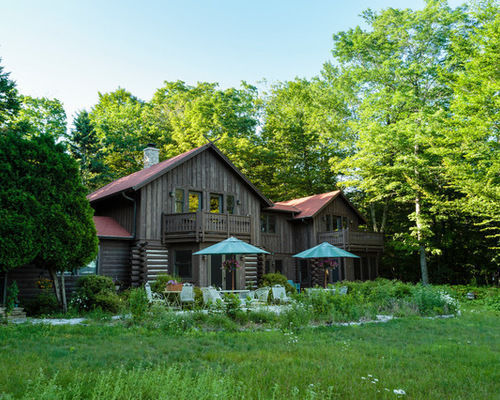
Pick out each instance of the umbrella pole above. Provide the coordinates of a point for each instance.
(232, 276)
(326, 273)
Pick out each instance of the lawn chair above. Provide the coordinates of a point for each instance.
(262, 294)
(279, 294)
(295, 285)
(152, 296)
(343, 290)
(187, 294)
(313, 291)
(211, 296)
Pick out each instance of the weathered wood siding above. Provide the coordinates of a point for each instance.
(338, 207)
(114, 260)
(205, 172)
(117, 207)
(282, 240)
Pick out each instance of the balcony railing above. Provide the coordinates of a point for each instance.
(347, 238)
(200, 224)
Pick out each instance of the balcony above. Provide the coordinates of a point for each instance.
(349, 239)
(200, 226)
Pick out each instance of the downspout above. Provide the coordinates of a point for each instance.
(134, 224)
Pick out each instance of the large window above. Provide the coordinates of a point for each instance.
(216, 203)
(179, 200)
(230, 204)
(268, 223)
(195, 201)
(89, 269)
(278, 266)
(183, 266)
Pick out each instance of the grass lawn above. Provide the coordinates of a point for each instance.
(457, 358)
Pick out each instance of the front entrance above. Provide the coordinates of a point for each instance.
(216, 278)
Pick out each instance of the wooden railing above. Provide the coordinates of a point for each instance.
(347, 237)
(201, 223)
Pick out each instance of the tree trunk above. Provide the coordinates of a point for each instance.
(384, 215)
(63, 294)
(57, 291)
(374, 218)
(423, 261)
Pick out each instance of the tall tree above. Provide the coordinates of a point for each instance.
(41, 116)
(397, 68)
(9, 99)
(84, 147)
(304, 129)
(471, 144)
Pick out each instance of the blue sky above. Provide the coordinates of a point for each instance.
(72, 50)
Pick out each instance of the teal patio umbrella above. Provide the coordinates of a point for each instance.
(231, 246)
(325, 250)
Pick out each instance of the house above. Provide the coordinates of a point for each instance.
(152, 221)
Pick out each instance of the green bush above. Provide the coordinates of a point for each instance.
(108, 301)
(232, 305)
(262, 317)
(276, 279)
(95, 291)
(138, 302)
(43, 304)
(12, 297)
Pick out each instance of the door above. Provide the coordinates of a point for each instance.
(216, 270)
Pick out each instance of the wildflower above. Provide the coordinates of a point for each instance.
(399, 391)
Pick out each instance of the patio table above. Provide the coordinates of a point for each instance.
(173, 297)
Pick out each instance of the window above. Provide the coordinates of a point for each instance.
(339, 223)
(179, 200)
(329, 226)
(230, 203)
(183, 264)
(216, 205)
(268, 223)
(89, 269)
(195, 201)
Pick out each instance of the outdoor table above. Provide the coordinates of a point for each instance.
(173, 297)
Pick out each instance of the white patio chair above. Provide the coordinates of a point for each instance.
(279, 294)
(262, 294)
(343, 290)
(211, 296)
(187, 293)
(152, 297)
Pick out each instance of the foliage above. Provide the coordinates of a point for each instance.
(9, 99)
(12, 297)
(276, 279)
(84, 146)
(45, 303)
(138, 303)
(41, 116)
(96, 291)
(232, 305)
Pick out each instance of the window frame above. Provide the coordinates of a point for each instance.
(175, 267)
(265, 224)
(200, 200)
(220, 197)
(182, 201)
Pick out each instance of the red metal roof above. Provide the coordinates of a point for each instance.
(306, 206)
(107, 226)
(138, 177)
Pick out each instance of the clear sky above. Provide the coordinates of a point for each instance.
(72, 49)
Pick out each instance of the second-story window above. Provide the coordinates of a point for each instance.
(268, 223)
(216, 203)
(179, 200)
(328, 223)
(195, 201)
(230, 203)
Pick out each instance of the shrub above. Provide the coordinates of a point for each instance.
(296, 317)
(95, 291)
(12, 300)
(44, 303)
(232, 305)
(277, 279)
(262, 317)
(138, 302)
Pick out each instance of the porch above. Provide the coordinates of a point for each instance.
(349, 239)
(201, 226)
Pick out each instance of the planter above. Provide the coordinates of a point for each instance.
(176, 287)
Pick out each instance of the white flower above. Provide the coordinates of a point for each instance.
(399, 391)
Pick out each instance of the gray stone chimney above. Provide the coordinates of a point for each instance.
(151, 155)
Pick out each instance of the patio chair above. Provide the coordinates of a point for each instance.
(262, 294)
(295, 285)
(187, 294)
(313, 291)
(279, 294)
(211, 296)
(153, 297)
(343, 290)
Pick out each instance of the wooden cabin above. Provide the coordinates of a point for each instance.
(152, 221)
